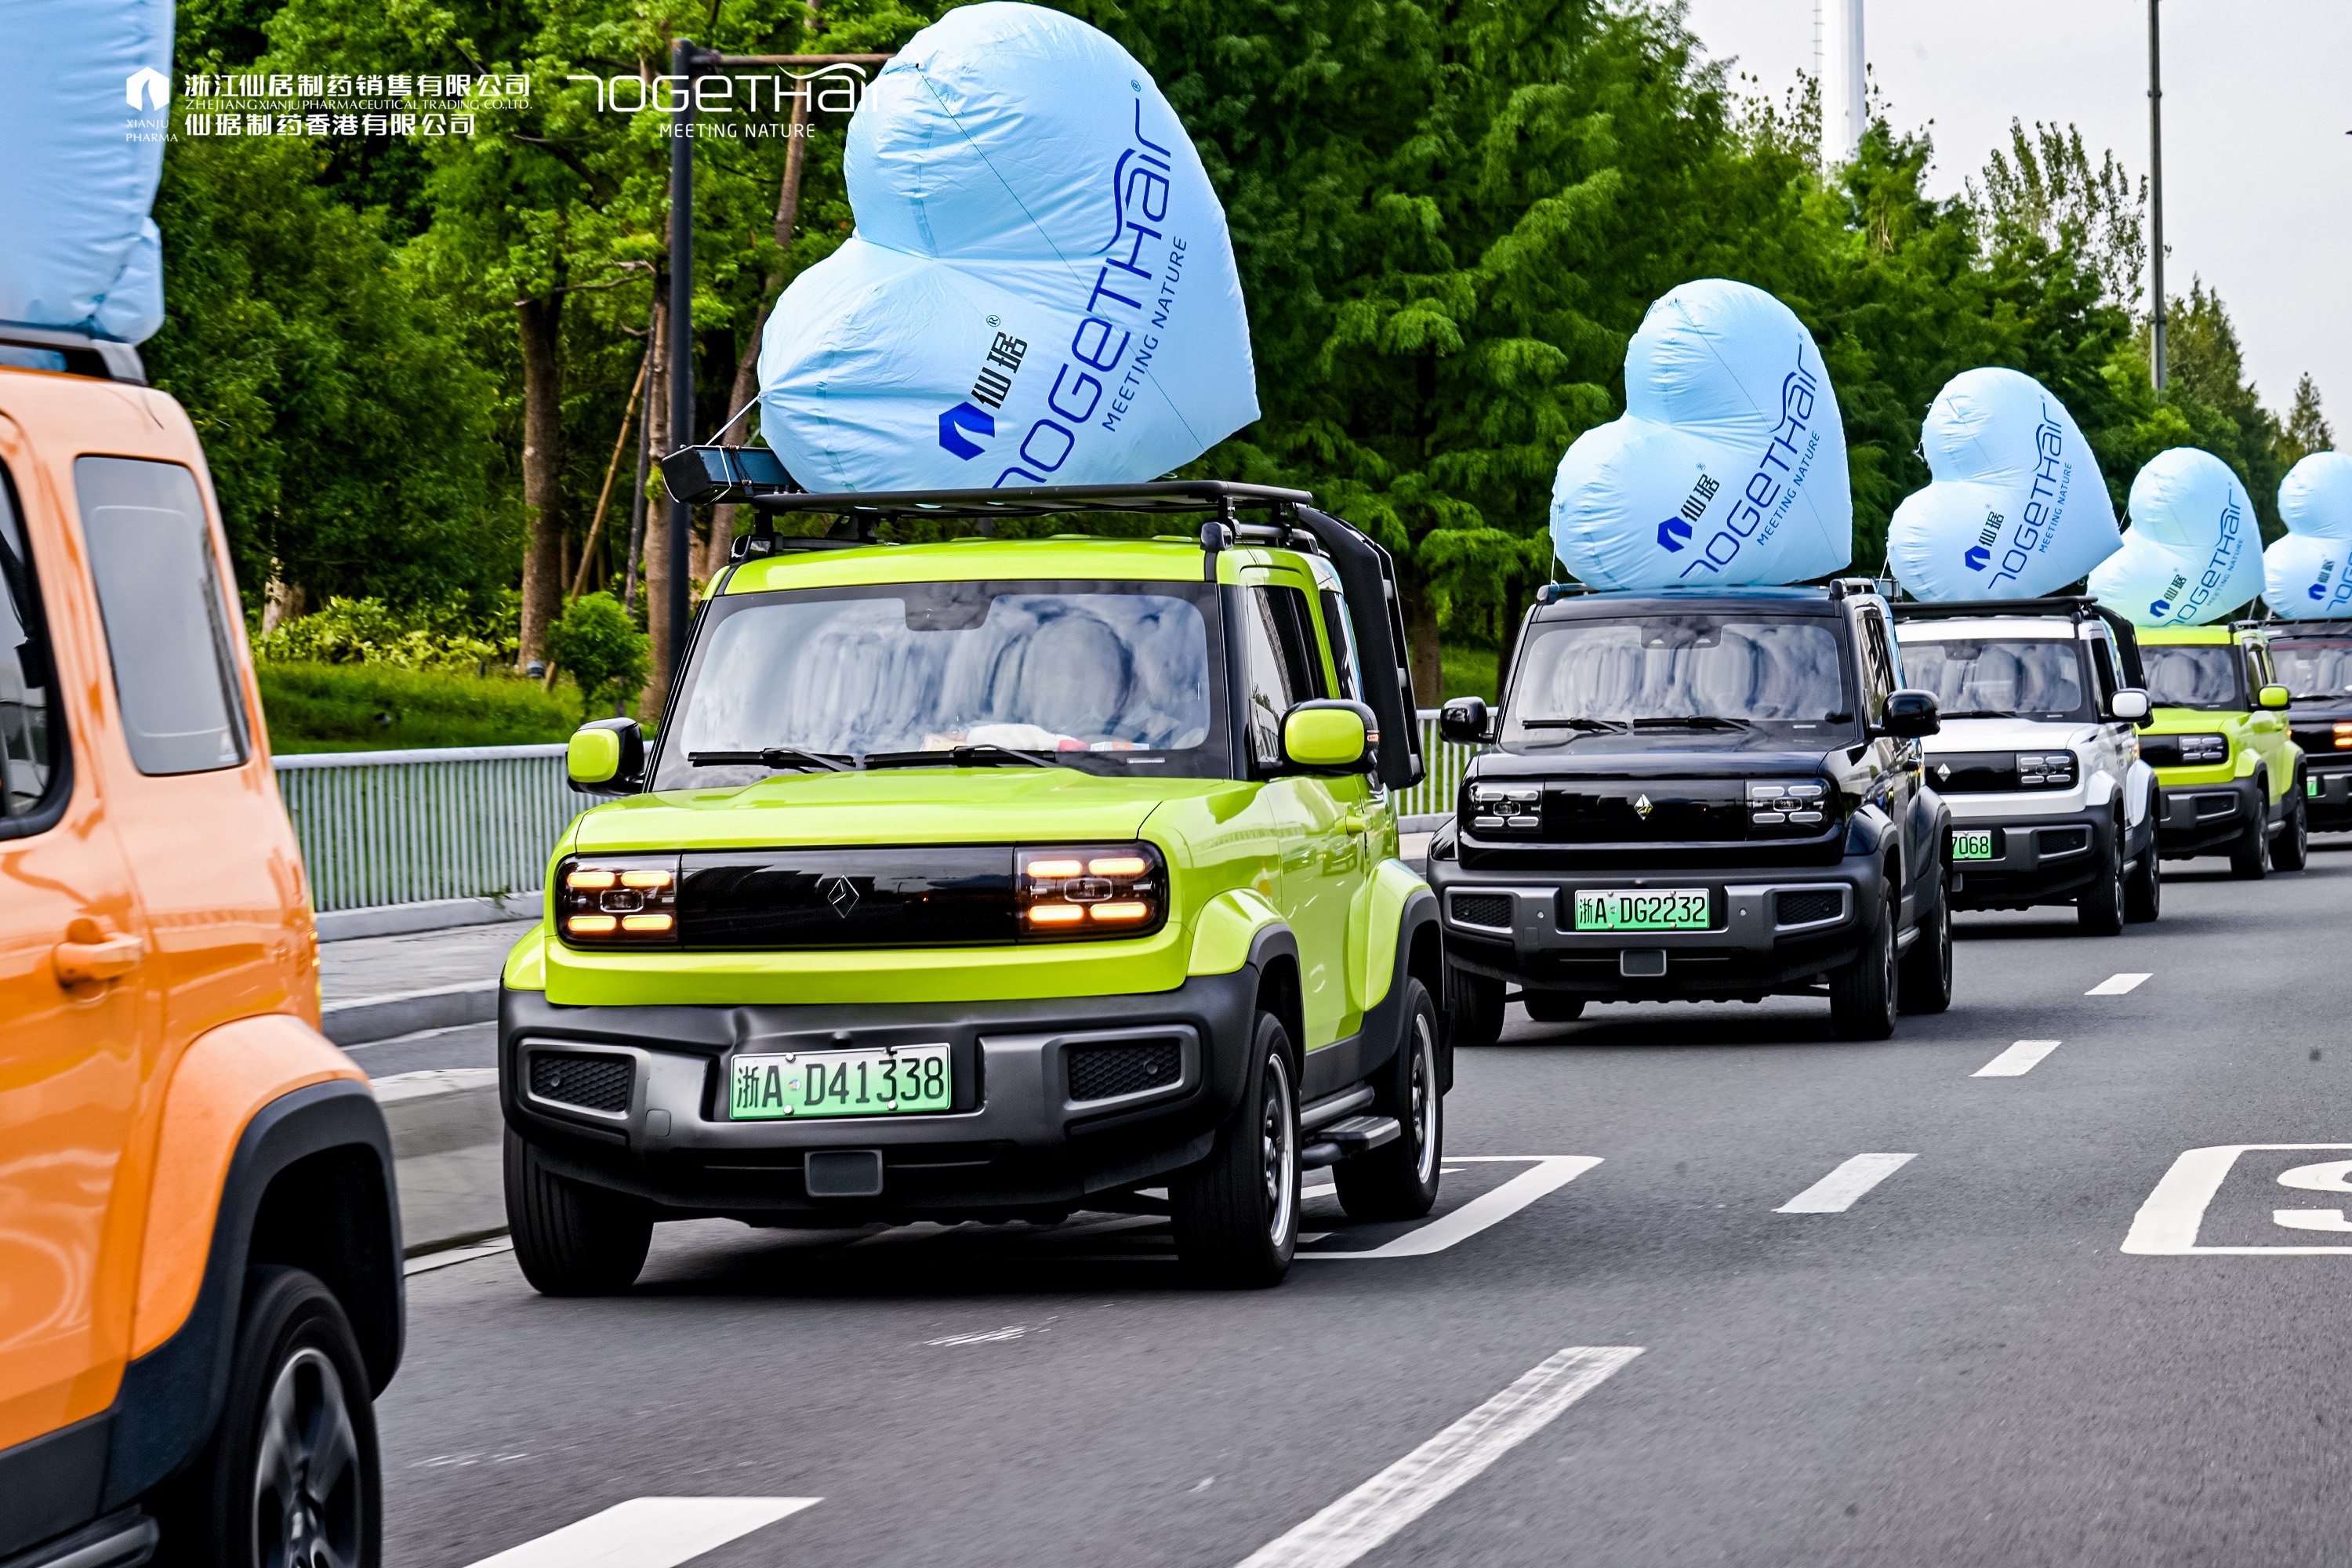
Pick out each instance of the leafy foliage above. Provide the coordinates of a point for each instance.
(378, 707)
(365, 631)
(596, 641)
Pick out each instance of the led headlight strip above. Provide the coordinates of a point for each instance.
(1090, 890)
(617, 900)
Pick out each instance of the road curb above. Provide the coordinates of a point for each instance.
(366, 1019)
(436, 914)
(448, 1139)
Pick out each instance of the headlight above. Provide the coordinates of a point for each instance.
(2204, 751)
(1506, 808)
(1091, 890)
(2344, 736)
(1798, 806)
(2045, 769)
(617, 900)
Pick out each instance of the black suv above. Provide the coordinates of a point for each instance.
(2314, 661)
(1698, 796)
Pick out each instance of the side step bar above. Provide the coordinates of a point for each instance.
(1344, 1139)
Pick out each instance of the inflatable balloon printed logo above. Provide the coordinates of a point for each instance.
(2193, 552)
(1729, 464)
(1041, 287)
(2017, 508)
(2304, 574)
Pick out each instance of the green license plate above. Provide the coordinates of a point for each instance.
(896, 1081)
(1642, 909)
(2311, 786)
(1972, 843)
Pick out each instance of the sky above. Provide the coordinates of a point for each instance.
(2257, 164)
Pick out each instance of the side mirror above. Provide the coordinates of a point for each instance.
(2273, 697)
(2130, 703)
(1464, 721)
(1912, 714)
(607, 757)
(1329, 737)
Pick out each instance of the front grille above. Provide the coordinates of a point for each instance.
(1972, 772)
(1483, 910)
(1805, 907)
(1106, 1072)
(847, 897)
(1646, 812)
(592, 1082)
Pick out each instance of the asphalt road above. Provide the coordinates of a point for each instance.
(1963, 1365)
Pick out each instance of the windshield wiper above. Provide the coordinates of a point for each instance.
(983, 756)
(1692, 721)
(1595, 726)
(778, 757)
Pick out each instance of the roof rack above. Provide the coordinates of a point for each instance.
(76, 353)
(2078, 607)
(1220, 496)
(2335, 627)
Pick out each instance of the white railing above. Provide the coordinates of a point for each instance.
(400, 827)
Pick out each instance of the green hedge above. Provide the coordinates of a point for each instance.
(379, 707)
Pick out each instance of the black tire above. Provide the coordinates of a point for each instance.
(2249, 857)
(1863, 991)
(292, 1467)
(1473, 1009)
(1925, 981)
(1551, 1007)
(1236, 1212)
(2292, 851)
(2144, 887)
(571, 1239)
(1398, 1179)
(2099, 910)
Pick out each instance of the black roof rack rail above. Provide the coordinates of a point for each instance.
(79, 354)
(2326, 627)
(1220, 496)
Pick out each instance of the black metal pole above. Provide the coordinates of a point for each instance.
(2156, 194)
(683, 60)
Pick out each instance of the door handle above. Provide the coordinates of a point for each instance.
(88, 955)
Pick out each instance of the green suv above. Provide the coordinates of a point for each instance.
(993, 880)
(2230, 773)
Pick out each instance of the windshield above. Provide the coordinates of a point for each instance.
(1987, 678)
(2205, 674)
(2315, 671)
(1586, 677)
(1108, 676)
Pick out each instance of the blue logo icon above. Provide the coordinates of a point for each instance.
(1672, 534)
(2319, 591)
(964, 417)
(2161, 607)
(1977, 557)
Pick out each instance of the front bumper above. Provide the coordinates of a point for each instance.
(2327, 796)
(1013, 1142)
(1776, 931)
(2201, 819)
(2043, 858)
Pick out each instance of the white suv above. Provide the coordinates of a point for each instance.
(2039, 755)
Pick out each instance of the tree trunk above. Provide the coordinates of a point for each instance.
(1514, 603)
(280, 602)
(657, 541)
(721, 543)
(541, 324)
(1421, 643)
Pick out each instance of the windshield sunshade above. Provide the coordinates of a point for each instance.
(1700, 669)
(2207, 675)
(1983, 677)
(2315, 671)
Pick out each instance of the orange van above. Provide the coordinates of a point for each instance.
(200, 1260)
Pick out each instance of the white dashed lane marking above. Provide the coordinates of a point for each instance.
(2018, 1060)
(1551, 1173)
(1836, 1193)
(650, 1532)
(2115, 985)
(1374, 1513)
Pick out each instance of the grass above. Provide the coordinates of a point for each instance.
(378, 707)
(1469, 670)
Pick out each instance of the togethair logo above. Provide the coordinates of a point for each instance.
(1672, 534)
(959, 425)
(149, 83)
(1977, 557)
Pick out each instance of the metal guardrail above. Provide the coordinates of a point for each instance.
(400, 827)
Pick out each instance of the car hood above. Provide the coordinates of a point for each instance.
(909, 805)
(2009, 734)
(1752, 760)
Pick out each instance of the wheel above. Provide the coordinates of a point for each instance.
(1473, 1010)
(1862, 990)
(2144, 887)
(2249, 857)
(2292, 851)
(1399, 1180)
(2099, 910)
(1551, 1007)
(1926, 974)
(1236, 1212)
(289, 1475)
(571, 1240)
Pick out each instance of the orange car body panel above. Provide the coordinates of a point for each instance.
(112, 1147)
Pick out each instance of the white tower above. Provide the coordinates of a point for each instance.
(1844, 109)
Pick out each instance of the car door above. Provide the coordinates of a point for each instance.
(2117, 748)
(80, 1018)
(2268, 726)
(1312, 820)
(1902, 793)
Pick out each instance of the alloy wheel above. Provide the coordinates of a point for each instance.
(1278, 1145)
(307, 1477)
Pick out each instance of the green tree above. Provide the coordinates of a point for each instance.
(2306, 428)
(608, 655)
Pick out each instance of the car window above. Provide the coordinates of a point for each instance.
(1987, 678)
(1283, 669)
(2193, 674)
(1343, 644)
(2103, 662)
(1877, 666)
(28, 745)
(167, 626)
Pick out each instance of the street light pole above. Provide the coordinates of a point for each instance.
(2155, 187)
(683, 64)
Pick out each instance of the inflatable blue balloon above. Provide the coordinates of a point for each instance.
(1041, 289)
(82, 121)
(1729, 464)
(2193, 552)
(2017, 508)
(2308, 573)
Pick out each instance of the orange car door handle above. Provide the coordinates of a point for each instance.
(108, 958)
